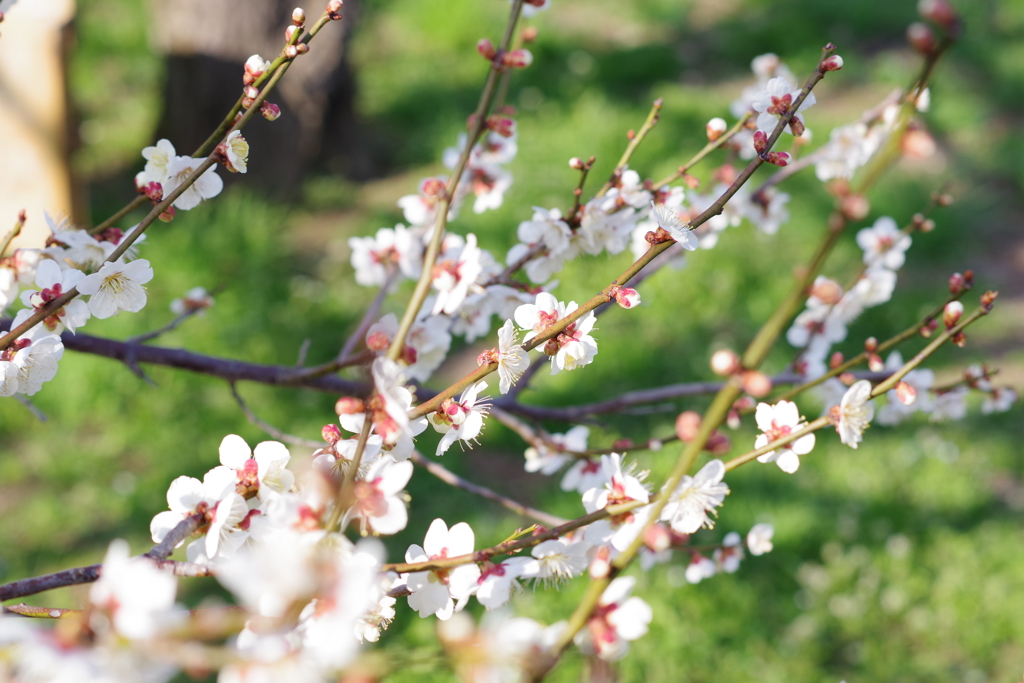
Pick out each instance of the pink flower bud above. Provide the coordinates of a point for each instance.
(168, 215)
(939, 11)
(529, 34)
(756, 383)
(988, 299)
(833, 63)
(433, 187)
(302, 48)
(855, 206)
(658, 538)
(921, 38)
(718, 444)
(601, 566)
(836, 360)
(760, 141)
(334, 9)
(378, 341)
(906, 393)
(918, 144)
(270, 111)
(154, 192)
(251, 91)
(486, 48)
(715, 128)
(349, 405)
(502, 125)
(576, 164)
(777, 158)
(517, 59)
(951, 314)
(956, 283)
(627, 297)
(725, 362)
(298, 16)
(247, 102)
(331, 433)
(928, 328)
(870, 344)
(960, 339)
(687, 425)
(875, 363)
(291, 52)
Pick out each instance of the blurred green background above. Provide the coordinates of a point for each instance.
(901, 561)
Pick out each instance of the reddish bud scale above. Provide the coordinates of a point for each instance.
(486, 49)
(270, 111)
(760, 142)
(956, 283)
(939, 11)
(777, 158)
(715, 128)
(167, 216)
(627, 297)
(952, 313)
(960, 339)
(988, 299)
(331, 433)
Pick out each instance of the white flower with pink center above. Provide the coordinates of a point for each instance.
(461, 420)
(488, 183)
(777, 422)
(259, 472)
(237, 150)
(695, 497)
(775, 101)
(390, 406)
(621, 486)
(196, 300)
(817, 328)
(433, 591)
(453, 276)
(558, 560)
(537, 317)
(999, 400)
(214, 498)
(497, 581)
(616, 620)
(920, 380)
(668, 219)
(950, 405)
(849, 148)
(53, 283)
(206, 186)
(549, 231)
(117, 287)
(700, 568)
(391, 249)
(377, 496)
(137, 597)
(854, 413)
(605, 226)
(420, 209)
(425, 348)
(884, 244)
(548, 456)
(730, 554)
(767, 211)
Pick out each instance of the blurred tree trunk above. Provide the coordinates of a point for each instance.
(206, 43)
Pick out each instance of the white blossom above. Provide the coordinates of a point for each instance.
(775, 100)
(378, 499)
(512, 359)
(206, 186)
(779, 421)
(557, 560)
(668, 219)
(237, 150)
(136, 595)
(855, 413)
(694, 497)
(618, 620)
(433, 591)
(158, 161)
(759, 539)
(999, 400)
(884, 244)
(461, 420)
(53, 283)
(117, 287)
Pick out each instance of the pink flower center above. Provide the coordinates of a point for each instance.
(778, 431)
(780, 105)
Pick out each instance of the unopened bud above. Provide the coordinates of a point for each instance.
(658, 538)
(291, 52)
(715, 128)
(298, 16)
(623, 444)
(960, 339)
(349, 405)
(833, 63)
(956, 283)
(929, 328)
(302, 48)
(247, 102)
(951, 314)
(141, 181)
(968, 278)
(718, 444)
(726, 173)
(756, 383)
(692, 182)
(777, 158)
(270, 111)
(251, 91)
(551, 347)
(627, 297)
(433, 187)
(502, 125)
(921, 38)
(486, 48)
(827, 291)
(733, 420)
(760, 141)
(517, 59)
(875, 363)
(855, 206)
(529, 34)
(687, 425)
(918, 144)
(939, 11)
(601, 566)
(870, 344)
(725, 362)
(154, 192)
(906, 393)
(836, 360)
(576, 164)
(331, 433)
(988, 299)
(167, 215)
(334, 9)
(796, 125)
(943, 198)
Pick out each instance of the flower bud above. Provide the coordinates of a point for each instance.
(691, 181)
(956, 283)
(517, 59)
(488, 357)
(833, 63)
(906, 393)
(247, 102)
(921, 38)
(687, 425)
(349, 405)
(826, 290)
(939, 11)
(302, 48)
(968, 278)
(928, 328)
(334, 9)
(725, 362)
(433, 187)
(658, 538)
(529, 34)
(627, 297)
(715, 128)
(951, 314)
(988, 299)
(331, 433)
(154, 192)
(756, 383)
(960, 339)
(1, 17)
(601, 566)
(251, 91)
(855, 206)
(291, 52)
(718, 444)
(836, 360)
(270, 111)
(760, 141)
(378, 341)
(502, 125)
(875, 363)
(167, 215)
(576, 164)
(943, 198)
(623, 444)
(777, 158)
(918, 144)
(298, 16)
(486, 48)
(870, 344)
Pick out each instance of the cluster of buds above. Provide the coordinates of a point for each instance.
(875, 362)
(922, 223)
(502, 125)
(334, 9)
(516, 59)
(154, 192)
(776, 158)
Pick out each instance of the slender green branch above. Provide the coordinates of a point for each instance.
(706, 150)
(634, 142)
(344, 498)
(14, 232)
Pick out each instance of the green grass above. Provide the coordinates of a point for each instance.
(900, 561)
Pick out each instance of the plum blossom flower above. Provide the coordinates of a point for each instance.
(461, 420)
(549, 230)
(537, 317)
(207, 186)
(453, 276)
(216, 500)
(557, 560)
(884, 244)
(700, 568)
(196, 299)
(496, 582)
(759, 539)
(775, 101)
(136, 596)
(158, 161)
(259, 472)
(729, 556)
(512, 359)
(421, 209)
(854, 413)
(573, 347)
(605, 226)
(621, 486)
(849, 148)
(31, 360)
(374, 257)
(817, 328)
(767, 211)
(117, 287)
(377, 498)
(390, 408)
(549, 456)
(52, 283)
(425, 348)
(668, 219)
(237, 151)
(694, 497)
(999, 400)
(950, 405)
(765, 67)
(433, 591)
(617, 619)
(776, 422)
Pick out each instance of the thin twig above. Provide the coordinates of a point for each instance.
(269, 428)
